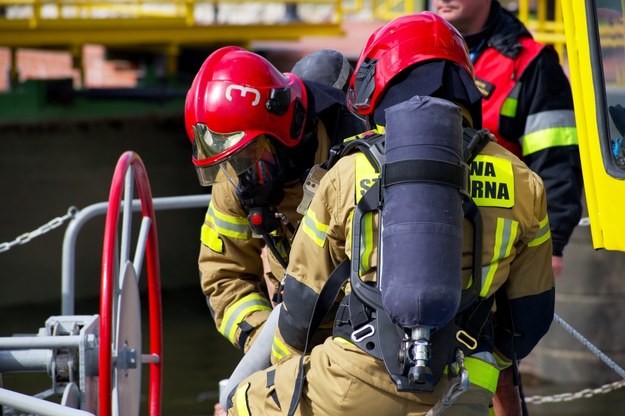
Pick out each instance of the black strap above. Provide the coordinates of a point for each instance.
(473, 142)
(424, 170)
(372, 143)
(324, 302)
(246, 330)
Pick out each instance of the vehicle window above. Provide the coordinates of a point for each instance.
(610, 27)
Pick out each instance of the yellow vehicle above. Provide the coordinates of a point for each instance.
(595, 41)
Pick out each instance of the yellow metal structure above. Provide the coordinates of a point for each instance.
(162, 26)
(43, 23)
(546, 25)
(589, 37)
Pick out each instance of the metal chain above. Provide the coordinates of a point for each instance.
(582, 394)
(51, 225)
(585, 393)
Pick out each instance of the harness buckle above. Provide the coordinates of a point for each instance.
(362, 333)
(465, 339)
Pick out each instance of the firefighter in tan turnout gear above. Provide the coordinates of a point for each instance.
(415, 262)
(255, 133)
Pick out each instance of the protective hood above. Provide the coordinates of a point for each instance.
(435, 79)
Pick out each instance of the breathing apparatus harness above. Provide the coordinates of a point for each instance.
(361, 317)
(415, 367)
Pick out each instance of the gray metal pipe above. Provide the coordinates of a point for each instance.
(39, 342)
(36, 406)
(87, 213)
(25, 361)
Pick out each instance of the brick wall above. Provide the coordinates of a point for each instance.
(40, 64)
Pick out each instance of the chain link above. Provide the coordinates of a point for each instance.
(49, 226)
(582, 394)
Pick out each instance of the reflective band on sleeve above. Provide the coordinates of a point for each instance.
(543, 234)
(548, 138)
(240, 400)
(549, 120)
(482, 373)
(314, 229)
(278, 349)
(549, 129)
(236, 313)
(491, 182)
(508, 108)
(505, 234)
(228, 225)
(210, 238)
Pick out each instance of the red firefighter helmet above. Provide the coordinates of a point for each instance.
(237, 102)
(397, 45)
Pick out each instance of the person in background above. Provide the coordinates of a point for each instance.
(527, 105)
(413, 78)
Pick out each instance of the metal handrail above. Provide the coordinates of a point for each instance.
(91, 211)
(37, 406)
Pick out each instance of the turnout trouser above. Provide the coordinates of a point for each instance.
(343, 380)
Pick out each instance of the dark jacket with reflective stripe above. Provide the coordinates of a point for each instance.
(536, 117)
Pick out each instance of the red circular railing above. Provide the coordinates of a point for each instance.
(109, 264)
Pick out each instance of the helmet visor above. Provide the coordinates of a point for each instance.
(209, 144)
(255, 161)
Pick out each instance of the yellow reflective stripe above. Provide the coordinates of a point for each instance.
(314, 228)
(210, 238)
(548, 138)
(481, 373)
(366, 242)
(235, 314)
(509, 106)
(240, 400)
(505, 234)
(278, 349)
(543, 234)
(228, 225)
(548, 120)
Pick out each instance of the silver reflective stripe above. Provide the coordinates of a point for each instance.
(549, 120)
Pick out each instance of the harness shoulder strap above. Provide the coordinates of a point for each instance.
(371, 145)
(326, 298)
